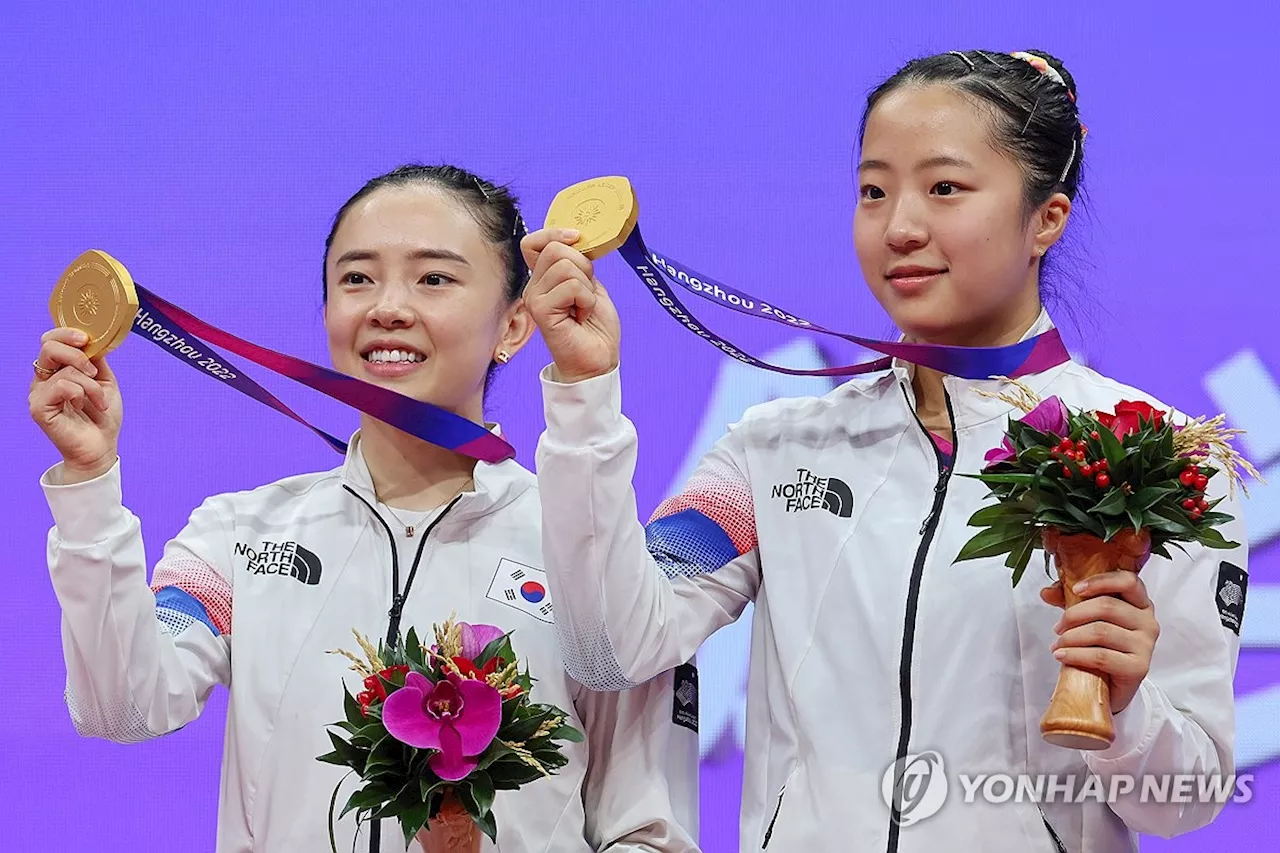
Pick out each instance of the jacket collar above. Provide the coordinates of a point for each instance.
(968, 401)
(495, 484)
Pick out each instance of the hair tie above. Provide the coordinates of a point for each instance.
(1039, 63)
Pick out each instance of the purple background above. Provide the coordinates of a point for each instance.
(208, 150)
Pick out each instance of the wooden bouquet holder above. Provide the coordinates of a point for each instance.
(451, 831)
(1079, 714)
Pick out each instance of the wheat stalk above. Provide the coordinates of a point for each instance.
(1025, 399)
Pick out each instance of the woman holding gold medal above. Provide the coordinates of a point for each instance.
(422, 285)
(869, 647)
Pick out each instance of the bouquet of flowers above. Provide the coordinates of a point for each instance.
(1098, 491)
(438, 730)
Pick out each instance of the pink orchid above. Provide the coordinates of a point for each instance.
(476, 637)
(1050, 416)
(456, 716)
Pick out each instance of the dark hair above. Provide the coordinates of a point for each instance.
(1034, 118)
(495, 208)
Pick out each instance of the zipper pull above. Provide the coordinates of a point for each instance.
(397, 605)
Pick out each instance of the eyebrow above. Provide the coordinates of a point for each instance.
(416, 255)
(930, 163)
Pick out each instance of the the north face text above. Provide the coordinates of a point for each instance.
(281, 558)
(810, 491)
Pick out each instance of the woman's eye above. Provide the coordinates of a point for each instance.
(945, 188)
(435, 279)
(355, 278)
(872, 193)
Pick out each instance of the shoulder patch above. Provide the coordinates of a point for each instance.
(684, 700)
(1233, 583)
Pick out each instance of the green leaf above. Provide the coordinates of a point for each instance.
(1154, 520)
(993, 542)
(1112, 526)
(352, 709)
(1211, 538)
(1019, 558)
(477, 798)
(428, 784)
(524, 727)
(366, 798)
(1112, 449)
(569, 733)
(489, 826)
(1149, 496)
(1112, 504)
(1007, 479)
(1135, 517)
(998, 514)
(1088, 522)
(349, 755)
(413, 819)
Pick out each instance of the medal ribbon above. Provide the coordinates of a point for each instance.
(1033, 355)
(161, 322)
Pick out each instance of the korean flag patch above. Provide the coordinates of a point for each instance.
(522, 587)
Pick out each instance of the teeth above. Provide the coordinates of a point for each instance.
(391, 356)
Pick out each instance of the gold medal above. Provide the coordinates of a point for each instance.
(95, 294)
(602, 210)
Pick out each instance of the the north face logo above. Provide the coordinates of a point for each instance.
(810, 491)
(281, 558)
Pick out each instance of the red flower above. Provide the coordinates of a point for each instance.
(511, 690)
(470, 670)
(1129, 417)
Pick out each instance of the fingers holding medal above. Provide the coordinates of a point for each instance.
(74, 398)
(573, 310)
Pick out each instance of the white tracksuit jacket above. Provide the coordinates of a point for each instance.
(294, 566)
(836, 517)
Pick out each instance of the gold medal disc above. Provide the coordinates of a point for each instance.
(96, 295)
(602, 210)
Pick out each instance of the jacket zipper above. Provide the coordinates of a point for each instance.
(398, 598)
(768, 833)
(927, 531)
(1058, 846)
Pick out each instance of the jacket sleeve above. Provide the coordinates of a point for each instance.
(1182, 720)
(141, 659)
(641, 787)
(631, 601)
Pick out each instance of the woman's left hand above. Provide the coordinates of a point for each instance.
(1112, 631)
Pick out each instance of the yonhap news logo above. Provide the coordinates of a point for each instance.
(915, 788)
(809, 491)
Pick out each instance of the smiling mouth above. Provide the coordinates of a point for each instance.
(393, 356)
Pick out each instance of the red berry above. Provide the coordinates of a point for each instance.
(1095, 435)
(1187, 478)
(1189, 504)
(1201, 482)
(1102, 465)
(1196, 513)
(1203, 505)
(1066, 471)
(1191, 469)
(1087, 470)
(1103, 480)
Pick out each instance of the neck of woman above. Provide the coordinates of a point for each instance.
(409, 473)
(931, 395)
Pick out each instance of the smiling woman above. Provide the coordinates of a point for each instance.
(423, 282)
